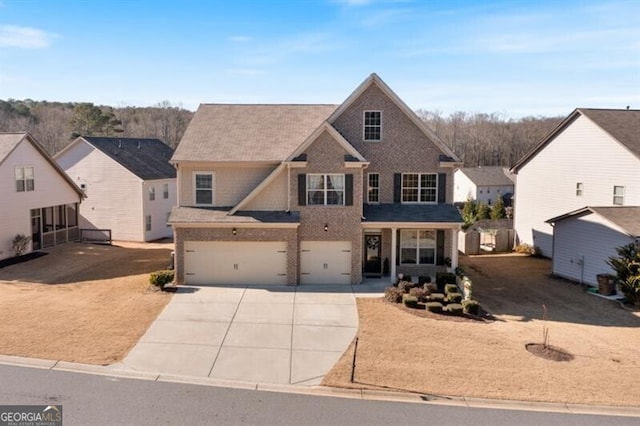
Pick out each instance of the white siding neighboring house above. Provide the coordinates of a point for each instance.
(38, 199)
(584, 239)
(482, 184)
(591, 159)
(129, 184)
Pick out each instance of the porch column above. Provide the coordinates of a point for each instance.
(454, 249)
(392, 261)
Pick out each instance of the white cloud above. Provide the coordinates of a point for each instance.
(24, 37)
(240, 38)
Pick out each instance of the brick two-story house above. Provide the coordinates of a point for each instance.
(313, 194)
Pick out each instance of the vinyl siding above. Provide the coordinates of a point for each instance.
(233, 182)
(51, 189)
(546, 186)
(114, 194)
(582, 246)
(273, 197)
(463, 187)
(158, 209)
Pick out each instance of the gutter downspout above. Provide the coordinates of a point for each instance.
(288, 187)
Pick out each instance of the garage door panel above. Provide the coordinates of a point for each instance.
(325, 262)
(230, 262)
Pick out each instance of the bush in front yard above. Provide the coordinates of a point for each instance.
(410, 301)
(454, 308)
(424, 279)
(454, 297)
(431, 287)
(443, 278)
(436, 297)
(420, 293)
(471, 307)
(450, 288)
(435, 307)
(405, 286)
(161, 278)
(393, 294)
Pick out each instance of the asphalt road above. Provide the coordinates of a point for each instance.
(101, 400)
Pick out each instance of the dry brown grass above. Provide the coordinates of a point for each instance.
(80, 303)
(398, 350)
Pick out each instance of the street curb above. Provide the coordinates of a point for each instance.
(352, 393)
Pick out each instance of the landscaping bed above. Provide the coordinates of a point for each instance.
(81, 303)
(398, 350)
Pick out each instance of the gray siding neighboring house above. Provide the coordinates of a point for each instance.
(584, 239)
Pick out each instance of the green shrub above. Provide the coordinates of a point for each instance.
(454, 297)
(420, 293)
(436, 297)
(471, 307)
(459, 271)
(424, 279)
(405, 286)
(443, 278)
(161, 278)
(454, 308)
(410, 301)
(450, 288)
(393, 294)
(525, 248)
(627, 267)
(435, 307)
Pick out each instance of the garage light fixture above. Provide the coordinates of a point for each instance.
(234, 231)
(326, 227)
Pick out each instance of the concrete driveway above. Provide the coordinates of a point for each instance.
(281, 335)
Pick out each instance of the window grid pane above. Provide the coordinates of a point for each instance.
(373, 192)
(325, 189)
(372, 125)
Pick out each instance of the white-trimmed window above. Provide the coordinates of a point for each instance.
(417, 247)
(618, 195)
(148, 223)
(203, 188)
(165, 191)
(325, 189)
(579, 188)
(25, 180)
(372, 129)
(152, 193)
(419, 187)
(373, 188)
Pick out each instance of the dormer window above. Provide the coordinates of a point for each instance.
(372, 130)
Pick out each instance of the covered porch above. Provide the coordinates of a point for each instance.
(414, 240)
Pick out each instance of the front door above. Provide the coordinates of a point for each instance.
(373, 254)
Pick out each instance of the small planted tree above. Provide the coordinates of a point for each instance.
(20, 243)
(498, 210)
(469, 211)
(484, 212)
(627, 268)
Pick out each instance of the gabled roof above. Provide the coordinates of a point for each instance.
(489, 176)
(10, 141)
(627, 218)
(254, 133)
(375, 79)
(621, 124)
(148, 159)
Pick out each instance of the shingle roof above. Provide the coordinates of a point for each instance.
(220, 215)
(625, 217)
(8, 141)
(438, 213)
(622, 124)
(248, 132)
(146, 158)
(486, 176)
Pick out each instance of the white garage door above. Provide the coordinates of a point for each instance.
(325, 262)
(230, 262)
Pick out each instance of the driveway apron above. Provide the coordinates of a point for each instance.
(280, 335)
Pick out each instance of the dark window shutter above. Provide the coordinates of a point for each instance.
(440, 247)
(397, 187)
(442, 187)
(302, 189)
(348, 190)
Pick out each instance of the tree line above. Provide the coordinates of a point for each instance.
(478, 139)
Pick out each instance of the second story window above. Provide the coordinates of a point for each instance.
(579, 188)
(152, 193)
(419, 187)
(618, 195)
(25, 180)
(372, 126)
(327, 190)
(165, 191)
(203, 188)
(373, 189)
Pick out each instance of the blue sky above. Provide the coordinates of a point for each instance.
(518, 58)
